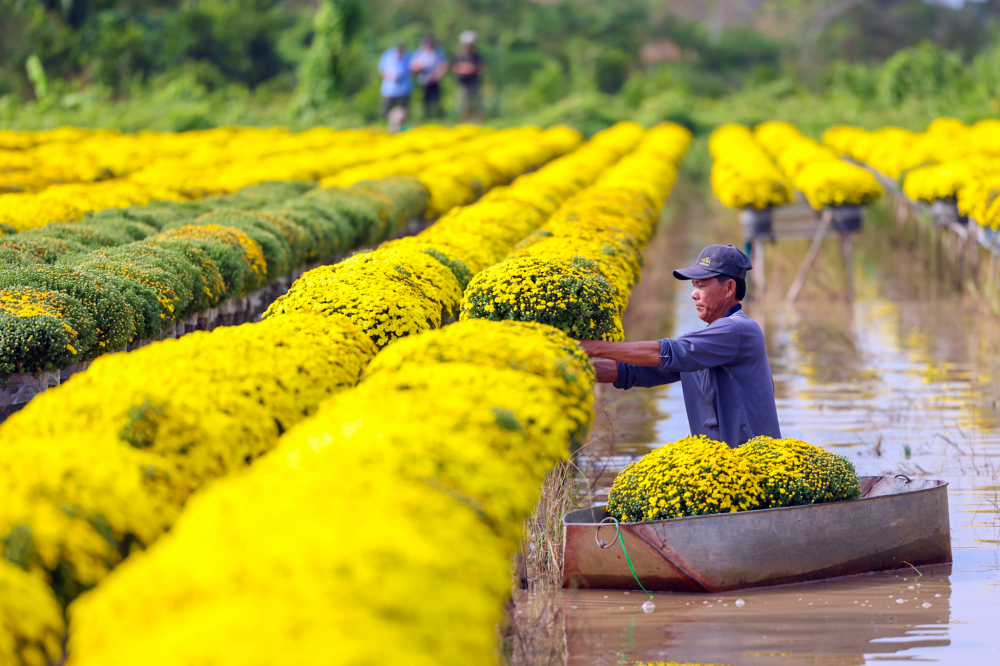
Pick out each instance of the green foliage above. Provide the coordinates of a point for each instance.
(113, 313)
(175, 65)
(456, 266)
(922, 72)
(49, 340)
(277, 248)
(324, 68)
(611, 70)
(35, 248)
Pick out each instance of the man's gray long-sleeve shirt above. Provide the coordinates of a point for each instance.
(725, 377)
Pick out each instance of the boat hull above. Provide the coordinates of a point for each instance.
(896, 523)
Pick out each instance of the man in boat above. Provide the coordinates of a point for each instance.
(723, 368)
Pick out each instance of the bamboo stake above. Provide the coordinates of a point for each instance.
(824, 224)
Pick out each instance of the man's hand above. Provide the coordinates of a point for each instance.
(606, 369)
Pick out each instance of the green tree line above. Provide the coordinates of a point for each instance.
(180, 64)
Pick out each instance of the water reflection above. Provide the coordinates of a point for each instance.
(904, 379)
(843, 621)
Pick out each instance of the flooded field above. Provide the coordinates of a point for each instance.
(903, 379)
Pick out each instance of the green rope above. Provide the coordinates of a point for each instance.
(621, 540)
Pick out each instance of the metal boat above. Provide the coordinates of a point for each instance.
(897, 522)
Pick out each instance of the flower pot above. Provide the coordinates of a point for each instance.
(945, 213)
(757, 222)
(845, 219)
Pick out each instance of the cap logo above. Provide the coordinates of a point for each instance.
(705, 261)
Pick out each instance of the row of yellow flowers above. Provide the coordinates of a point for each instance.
(102, 465)
(425, 274)
(192, 165)
(86, 156)
(815, 170)
(387, 519)
(950, 161)
(744, 175)
(436, 459)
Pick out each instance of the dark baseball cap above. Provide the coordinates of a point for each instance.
(717, 260)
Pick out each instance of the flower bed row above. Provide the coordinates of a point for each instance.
(436, 459)
(124, 467)
(814, 169)
(192, 165)
(950, 162)
(70, 292)
(415, 284)
(743, 174)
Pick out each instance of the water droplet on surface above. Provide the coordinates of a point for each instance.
(573, 607)
(740, 604)
(648, 607)
(910, 587)
(926, 604)
(937, 595)
(900, 601)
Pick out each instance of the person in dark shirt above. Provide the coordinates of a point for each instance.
(468, 68)
(723, 368)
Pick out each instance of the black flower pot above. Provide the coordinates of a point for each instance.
(757, 222)
(845, 219)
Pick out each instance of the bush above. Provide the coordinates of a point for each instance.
(611, 70)
(694, 476)
(238, 257)
(41, 330)
(116, 315)
(922, 72)
(277, 250)
(697, 476)
(793, 473)
(168, 277)
(561, 294)
(40, 250)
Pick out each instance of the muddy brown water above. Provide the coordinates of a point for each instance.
(904, 379)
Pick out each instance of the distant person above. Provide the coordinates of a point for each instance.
(394, 68)
(430, 64)
(468, 68)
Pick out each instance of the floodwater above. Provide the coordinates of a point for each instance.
(903, 379)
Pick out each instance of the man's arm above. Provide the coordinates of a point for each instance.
(633, 353)
(708, 348)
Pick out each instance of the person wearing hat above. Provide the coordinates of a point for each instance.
(468, 66)
(723, 368)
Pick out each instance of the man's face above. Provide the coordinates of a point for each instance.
(711, 297)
